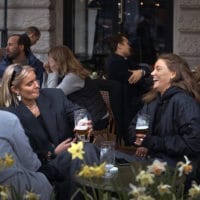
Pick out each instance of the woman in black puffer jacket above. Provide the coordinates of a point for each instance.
(173, 107)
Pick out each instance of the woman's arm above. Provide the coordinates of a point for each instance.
(185, 140)
(69, 84)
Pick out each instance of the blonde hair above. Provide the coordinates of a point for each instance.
(12, 78)
(183, 79)
(67, 62)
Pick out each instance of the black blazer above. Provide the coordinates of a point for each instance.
(56, 112)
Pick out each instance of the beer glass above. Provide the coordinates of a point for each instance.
(107, 155)
(142, 127)
(81, 124)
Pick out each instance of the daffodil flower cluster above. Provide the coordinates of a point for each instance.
(156, 182)
(92, 171)
(6, 192)
(86, 171)
(159, 183)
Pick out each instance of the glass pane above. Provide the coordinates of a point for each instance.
(149, 25)
(147, 22)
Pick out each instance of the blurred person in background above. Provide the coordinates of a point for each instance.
(65, 72)
(134, 78)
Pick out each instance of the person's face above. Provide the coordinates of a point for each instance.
(162, 76)
(28, 88)
(34, 38)
(124, 47)
(52, 64)
(12, 48)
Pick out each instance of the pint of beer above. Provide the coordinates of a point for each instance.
(81, 124)
(142, 127)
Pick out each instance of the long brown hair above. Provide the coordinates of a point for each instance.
(183, 79)
(67, 62)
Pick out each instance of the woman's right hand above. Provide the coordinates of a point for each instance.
(47, 67)
(139, 139)
(63, 146)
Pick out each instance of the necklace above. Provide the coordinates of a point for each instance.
(34, 109)
(31, 106)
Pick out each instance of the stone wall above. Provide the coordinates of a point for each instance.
(47, 16)
(40, 13)
(187, 30)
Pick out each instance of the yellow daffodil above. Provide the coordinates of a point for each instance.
(77, 150)
(164, 189)
(145, 178)
(100, 170)
(194, 191)
(185, 168)
(4, 192)
(8, 160)
(92, 171)
(85, 171)
(4, 195)
(157, 167)
(136, 191)
(31, 196)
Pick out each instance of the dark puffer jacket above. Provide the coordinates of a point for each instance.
(174, 127)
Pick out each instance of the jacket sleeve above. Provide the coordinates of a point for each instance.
(186, 137)
(3, 64)
(38, 65)
(19, 142)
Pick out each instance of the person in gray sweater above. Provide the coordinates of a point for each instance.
(65, 72)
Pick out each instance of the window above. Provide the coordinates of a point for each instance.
(88, 23)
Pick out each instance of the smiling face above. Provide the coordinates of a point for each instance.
(162, 76)
(28, 88)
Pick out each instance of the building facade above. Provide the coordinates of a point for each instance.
(47, 15)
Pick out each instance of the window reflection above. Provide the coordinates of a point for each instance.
(147, 22)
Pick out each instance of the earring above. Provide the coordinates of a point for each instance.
(19, 97)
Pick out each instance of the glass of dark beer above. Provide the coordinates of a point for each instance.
(81, 125)
(142, 128)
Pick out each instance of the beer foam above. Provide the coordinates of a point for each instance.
(82, 121)
(81, 127)
(142, 127)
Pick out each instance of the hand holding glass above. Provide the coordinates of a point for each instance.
(142, 128)
(81, 124)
